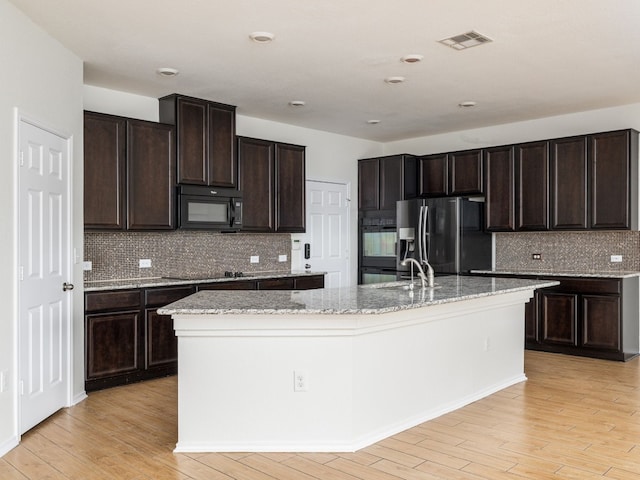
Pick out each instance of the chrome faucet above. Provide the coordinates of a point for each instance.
(426, 280)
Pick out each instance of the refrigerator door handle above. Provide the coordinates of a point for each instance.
(420, 236)
(425, 236)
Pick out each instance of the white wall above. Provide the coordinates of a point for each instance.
(614, 118)
(329, 157)
(103, 100)
(44, 81)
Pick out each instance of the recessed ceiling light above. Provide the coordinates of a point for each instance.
(394, 80)
(412, 58)
(167, 72)
(297, 103)
(262, 37)
(467, 104)
(373, 122)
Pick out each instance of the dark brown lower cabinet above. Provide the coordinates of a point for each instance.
(127, 341)
(593, 317)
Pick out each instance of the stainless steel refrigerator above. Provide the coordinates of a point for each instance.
(446, 231)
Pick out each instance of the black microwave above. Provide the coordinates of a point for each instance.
(209, 208)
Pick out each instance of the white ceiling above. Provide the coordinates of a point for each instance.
(547, 57)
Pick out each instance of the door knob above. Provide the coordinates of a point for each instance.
(67, 286)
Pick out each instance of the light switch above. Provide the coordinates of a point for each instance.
(282, 258)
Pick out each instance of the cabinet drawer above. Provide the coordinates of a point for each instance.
(233, 285)
(163, 296)
(587, 285)
(276, 284)
(308, 283)
(112, 300)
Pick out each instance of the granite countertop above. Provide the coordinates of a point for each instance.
(364, 299)
(179, 280)
(552, 273)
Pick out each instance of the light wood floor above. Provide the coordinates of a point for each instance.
(574, 418)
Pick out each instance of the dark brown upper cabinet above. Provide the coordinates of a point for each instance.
(369, 184)
(499, 178)
(206, 146)
(433, 175)
(129, 174)
(385, 180)
(456, 173)
(150, 176)
(465, 172)
(569, 192)
(532, 188)
(272, 179)
(105, 152)
(613, 176)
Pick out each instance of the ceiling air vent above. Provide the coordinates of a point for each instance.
(465, 40)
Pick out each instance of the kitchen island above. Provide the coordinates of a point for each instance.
(339, 369)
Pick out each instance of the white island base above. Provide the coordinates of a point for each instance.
(368, 376)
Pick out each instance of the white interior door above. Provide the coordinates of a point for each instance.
(327, 231)
(44, 267)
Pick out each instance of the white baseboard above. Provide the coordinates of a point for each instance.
(9, 445)
(78, 398)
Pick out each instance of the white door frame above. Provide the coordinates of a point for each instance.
(19, 117)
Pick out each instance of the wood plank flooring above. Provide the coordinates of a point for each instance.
(575, 418)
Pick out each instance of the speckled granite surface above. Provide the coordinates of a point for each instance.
(171, 281)
(541, 273)
(370, 299)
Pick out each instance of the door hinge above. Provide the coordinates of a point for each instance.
(21, 273)
(21, 386)
(21, 158)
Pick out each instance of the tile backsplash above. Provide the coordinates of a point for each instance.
(183, 253)
(568, 251)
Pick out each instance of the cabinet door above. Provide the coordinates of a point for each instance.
(531, 331)
(290, 188)
(433, 175)
(369, 184)
(104, 172)
(499, 168)
(609, 159)
(256, 163)
(532, 192)
(150, 176)
(559, 317)
(191, 133)
(465, 172)
(222, 159)
(601, 322)
(112, 344)
(569, 184)
(391, 182)
(161, 349)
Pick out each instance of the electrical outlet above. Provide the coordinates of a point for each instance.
(616, 258)
(300, 381)
(282, 258)
(536, 256)
(144, 263)
(87, 266)
(255, 259)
